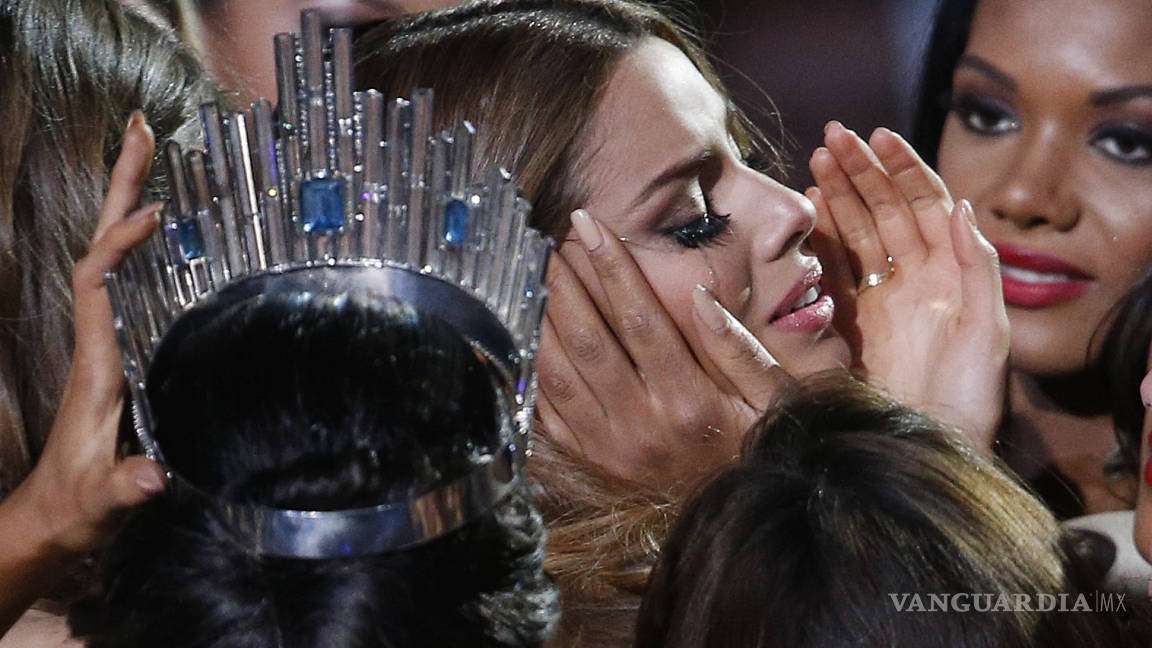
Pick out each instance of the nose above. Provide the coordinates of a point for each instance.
(788, 220)
(1035, 190)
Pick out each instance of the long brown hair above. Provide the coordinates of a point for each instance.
(530, 74)
(71, 72)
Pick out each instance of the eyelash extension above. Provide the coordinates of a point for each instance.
(704, 230)
(965, 106)
(1136, 136)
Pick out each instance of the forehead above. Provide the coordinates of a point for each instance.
(1105, 42)
(656, 109)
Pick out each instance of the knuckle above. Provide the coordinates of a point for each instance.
(886, 210)
(925, 203)
(587, 345)
(635, 323)
(856, 236)
(83, 272)
(558, 388)
(608, 265)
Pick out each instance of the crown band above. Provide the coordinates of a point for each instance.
(346, 193)
(369, 530)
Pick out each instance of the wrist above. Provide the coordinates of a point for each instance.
(35, 525)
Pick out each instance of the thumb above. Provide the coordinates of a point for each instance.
(743, 360)
(132, 482)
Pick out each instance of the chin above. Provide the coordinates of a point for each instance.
(824, 354)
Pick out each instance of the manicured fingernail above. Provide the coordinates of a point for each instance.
(587, 230)
(709, 309)
(135, 119)
(148, 480)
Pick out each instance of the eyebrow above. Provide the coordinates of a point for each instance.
(1107, 97)
(1121, 94)
(991, 71)
(684, 169)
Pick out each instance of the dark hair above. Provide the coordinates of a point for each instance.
(319, 402)
(845, 500)
(1124, 360)
(71, 73)
(1121, 363)
(949, 39)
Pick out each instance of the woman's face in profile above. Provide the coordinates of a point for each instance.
(666, 176)
(1050, 136)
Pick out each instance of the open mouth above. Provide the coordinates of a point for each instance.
(805, 307)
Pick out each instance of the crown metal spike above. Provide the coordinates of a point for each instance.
(336, 190)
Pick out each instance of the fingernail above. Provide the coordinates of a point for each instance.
(587, 230)
(709, 309)
(968, 213)
(148, 212)
(148, 480)
(135, 119)
(832, 124)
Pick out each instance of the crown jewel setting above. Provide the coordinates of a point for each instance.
(343, 191)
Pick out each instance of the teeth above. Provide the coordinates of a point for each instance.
(807, 298)
(1029, 276)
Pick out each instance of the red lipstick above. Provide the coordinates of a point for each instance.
(1036, 280)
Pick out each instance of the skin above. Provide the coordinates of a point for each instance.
(647, 375)
(657, 113)
(235, 37)
(940, 346)
(1143, 527)
(653, 358)
(1039, 154)
(70, 501)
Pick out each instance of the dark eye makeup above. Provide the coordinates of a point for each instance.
(705, 229)
(983, 116)
(1128, 144)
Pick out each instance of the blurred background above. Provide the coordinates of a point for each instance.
(795, 64)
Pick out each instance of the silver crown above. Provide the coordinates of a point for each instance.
(343, 192)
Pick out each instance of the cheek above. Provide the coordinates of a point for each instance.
(1125, 236)
(674, 275)
(965, 166)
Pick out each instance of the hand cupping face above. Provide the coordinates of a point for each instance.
(921, 282)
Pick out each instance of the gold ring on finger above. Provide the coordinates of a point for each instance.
(873, 279)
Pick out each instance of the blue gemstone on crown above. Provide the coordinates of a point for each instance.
(322, 204)
(455, 222)
(190, 239)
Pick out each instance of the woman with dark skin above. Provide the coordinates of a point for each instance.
(1041, 114)
(74, 74)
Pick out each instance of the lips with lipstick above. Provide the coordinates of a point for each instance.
(1036, 280)
(805, 308)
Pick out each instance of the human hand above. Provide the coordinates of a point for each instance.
(1143, 525)
(620, 383)
(934, 332)
(78, 484)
